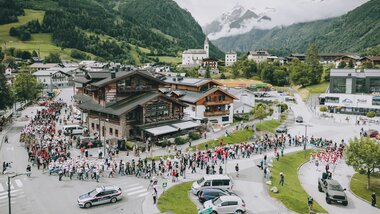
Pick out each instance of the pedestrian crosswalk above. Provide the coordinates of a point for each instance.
(17, 192)
(135, 190)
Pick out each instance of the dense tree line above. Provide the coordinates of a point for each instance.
(24, 32)
(9, 11)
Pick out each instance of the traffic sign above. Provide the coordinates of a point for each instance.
(164, 184)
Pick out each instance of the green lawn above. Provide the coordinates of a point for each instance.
(160, 156)
(39, 41)
(170, 59)
(292, 195)
(271, 125)
(234, 138)
(313, 89)
(176, 200)
(358, 185)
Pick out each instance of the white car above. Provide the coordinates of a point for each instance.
(100, 195)
(226, 204)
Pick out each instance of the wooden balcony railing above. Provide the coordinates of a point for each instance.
(216, 113)
(140, 88)
(217, 102)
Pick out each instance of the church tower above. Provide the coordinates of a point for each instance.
(206, 47)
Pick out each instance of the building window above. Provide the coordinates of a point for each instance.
(225, 119)
(116, 132)
(360, 85)
(222, 98)
(376, 101)
(111, 131)
(193, 108)
(374, 85)
(338, 85)
(97, 127)
(332, 99)
(92, 125)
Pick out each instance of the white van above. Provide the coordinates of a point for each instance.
(210, 181)
(73, 130)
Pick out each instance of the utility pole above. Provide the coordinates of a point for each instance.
(9, 189)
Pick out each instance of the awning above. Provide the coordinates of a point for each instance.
(161, 130)
(185, 125)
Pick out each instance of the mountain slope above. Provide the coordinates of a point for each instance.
(107, 29)
(354, 31)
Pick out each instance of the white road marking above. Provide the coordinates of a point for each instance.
(144, 194)
(12, 191)
(1, 187)
(13, 195)
(136, 192)
(19, 183)
(132, 185)
(134, 188)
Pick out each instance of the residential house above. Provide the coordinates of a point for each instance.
(245, 99)
(206, 101)
(355, 59)
(52, 78)
(128, 104)
(230, 58)
(44, 66)
(258, 56)
(375, 60)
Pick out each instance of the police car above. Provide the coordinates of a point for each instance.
(100, 195)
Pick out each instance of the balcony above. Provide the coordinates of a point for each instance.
(91, 88)
(129, 89)
(216, 113)
(217, 102)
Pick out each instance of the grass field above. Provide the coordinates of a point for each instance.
(292, 195)
(176, 200)
(170, 59)
(234, 138)
(313, 89)
(358, 185)
(40, 41)
(271, 125)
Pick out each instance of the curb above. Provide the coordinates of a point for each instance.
(364, 200)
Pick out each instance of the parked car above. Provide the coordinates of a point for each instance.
(372, 133)
(100, 195)
(209, 181)
(73, 130)
(211, 193)
(226, 204)
(89, 142)
(282, 129)
(42, 101)
(334, 191)
(299, 119)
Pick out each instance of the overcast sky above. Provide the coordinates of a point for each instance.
(287, 11)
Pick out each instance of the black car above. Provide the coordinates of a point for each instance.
(282, 129)
(211, 193)
(89, 142)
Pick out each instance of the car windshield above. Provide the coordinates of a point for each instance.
(94, 192)
(216, 201)
(200, 180)
(335, 187)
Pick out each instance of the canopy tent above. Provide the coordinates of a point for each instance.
(161, 130)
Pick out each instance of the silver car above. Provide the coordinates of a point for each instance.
(226, 204)
(100, 195)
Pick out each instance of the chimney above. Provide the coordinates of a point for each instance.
(113, 74)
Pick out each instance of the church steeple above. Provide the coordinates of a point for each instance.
(206, 47)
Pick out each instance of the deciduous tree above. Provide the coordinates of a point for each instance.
(25, 86)
(364, 155)
(5, 92)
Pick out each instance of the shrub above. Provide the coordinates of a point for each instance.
(180, 141)
(194, 135)
(283, 107)
(323, 108)
(371, 114)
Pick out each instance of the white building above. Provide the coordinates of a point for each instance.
(196, 56)
(230, 59)
(43, 66)
(245, 99)
(52, 78)
(351, 103)
(258, 56)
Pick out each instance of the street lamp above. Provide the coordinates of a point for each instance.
(9, 189)
(305, 142)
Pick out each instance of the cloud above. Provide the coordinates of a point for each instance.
(287, 11)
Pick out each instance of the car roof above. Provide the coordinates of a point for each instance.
(110, 187)
(229, 198)
(214, 177)
(213, 190)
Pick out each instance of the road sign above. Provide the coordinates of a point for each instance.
(164, 184)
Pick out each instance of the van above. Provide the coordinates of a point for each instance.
(210, 181)
(73, 130)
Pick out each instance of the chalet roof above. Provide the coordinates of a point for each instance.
(188, 81)
(99, 74)
(123, 74)
(125, 105)
(192, 96)
(43, 65)
(81, 79)
(259, 53)
(355, 73)
(48, 72)
(373, 58)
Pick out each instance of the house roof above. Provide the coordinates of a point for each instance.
(48, 72)
(373, 58)
(192, 96)
(123, 74)
(81, 79)
(43, 65)
(259, 53)
(188, 81)
(195, 51)
(125, 105)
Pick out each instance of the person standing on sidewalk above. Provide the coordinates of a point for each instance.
(373, 197)
(237, 170)
(282, 178)
(29, 170)
(154, 194)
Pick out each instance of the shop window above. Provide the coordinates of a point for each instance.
(332, 99)
(376, 101)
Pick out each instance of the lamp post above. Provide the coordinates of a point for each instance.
(305, 142)
(104, 135)
(9, 189)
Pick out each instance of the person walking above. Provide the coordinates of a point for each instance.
(6, 139)
(220, 170)
(310, 202)
(282, 178)
(237, 170)
(154, 194)
(29, 170)
(373, 197)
